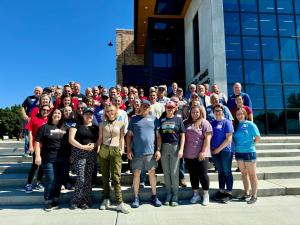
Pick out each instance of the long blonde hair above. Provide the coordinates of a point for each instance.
(108, 107)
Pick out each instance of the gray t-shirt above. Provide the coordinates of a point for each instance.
(143, 129)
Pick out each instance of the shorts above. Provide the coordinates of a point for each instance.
(143, 162)
(246, 157)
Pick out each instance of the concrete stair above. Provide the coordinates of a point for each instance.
(278, 170)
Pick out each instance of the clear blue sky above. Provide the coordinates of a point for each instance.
(44, 42)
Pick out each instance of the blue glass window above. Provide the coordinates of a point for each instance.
(253, 74)
(284, 6)
(233, 47)
(298, 25)
(292, 96)
(288, 48)
(270, 48)
(297, 6)
(248, 5)
(266, 5)
(268, 24)
(234, 71)
(257, 96)
(274, 99)
(230, 5)
(251, 48)
(290, 72)
(275, 121)
(249, 24)
(272, 73)
(232, 23)
(286, 25)
(162, 60)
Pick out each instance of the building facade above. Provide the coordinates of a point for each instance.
(254, 42)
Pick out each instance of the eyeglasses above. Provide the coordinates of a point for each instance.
(81, 108)
(145, 106)
(46, 110)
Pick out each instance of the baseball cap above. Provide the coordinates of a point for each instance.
(88, 110)
(146, 102)
(170, 104)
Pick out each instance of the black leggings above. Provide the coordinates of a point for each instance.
(198, 172)
(32, 170)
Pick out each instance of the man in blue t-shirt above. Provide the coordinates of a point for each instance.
(237, 89)
(143, 131)
(29, 103)
(214, 100)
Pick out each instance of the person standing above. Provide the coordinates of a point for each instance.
(197, 151)
(237, 90)
(27, 106)
(143, 130)
(245, 137)
(172, 133)
(84, 138)
(34, 124)
(110, 150)
(222, 153)
(50, 156)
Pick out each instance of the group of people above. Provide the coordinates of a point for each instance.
(65, 127)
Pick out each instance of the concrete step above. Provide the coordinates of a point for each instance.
(273, 146)
(278, 153)
(10, 167)
(15, 158)
(263, 173)
(17, 196)
(276, 161)
(19, 158)
(280, 139)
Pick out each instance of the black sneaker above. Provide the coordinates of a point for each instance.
(49, 207)
(73, 206)
(244, 198)
(227, 198)
(84, 206)
(219, 196)
(252, 200)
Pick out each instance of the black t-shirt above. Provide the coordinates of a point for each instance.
(51, 137)
(80, 97)
(170, 129)
(29, 103)
(87, 134)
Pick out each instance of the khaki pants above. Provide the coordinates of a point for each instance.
(110, 164)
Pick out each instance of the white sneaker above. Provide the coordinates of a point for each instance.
(122, 207)
(196, 198)
(105, 204)
(205, 201)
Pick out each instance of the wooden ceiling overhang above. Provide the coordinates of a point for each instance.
(143, 10)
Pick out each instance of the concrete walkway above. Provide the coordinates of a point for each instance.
(281, 210)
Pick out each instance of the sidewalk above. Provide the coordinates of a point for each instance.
(281, 210)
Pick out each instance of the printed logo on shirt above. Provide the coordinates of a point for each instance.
(178, 115)
(150, 119)
(57, 131)
(219, 126)
(168, 127)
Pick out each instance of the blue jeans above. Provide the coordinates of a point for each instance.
(223, 162)
(54, 174)
(26, 142)
(181, 169)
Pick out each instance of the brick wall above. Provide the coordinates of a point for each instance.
(125, 52)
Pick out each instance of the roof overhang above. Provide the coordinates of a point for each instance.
(145, 9)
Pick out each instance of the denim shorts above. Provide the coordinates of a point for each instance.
(246, 157)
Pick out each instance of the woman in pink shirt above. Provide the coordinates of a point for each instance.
(197, 151)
